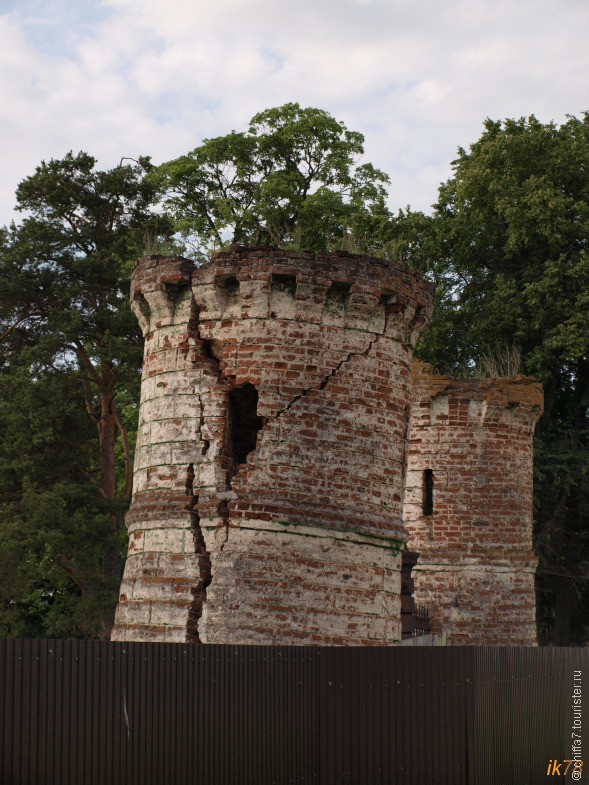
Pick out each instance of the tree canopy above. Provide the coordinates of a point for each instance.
(508, 246)
(291, 179)
(71, 353)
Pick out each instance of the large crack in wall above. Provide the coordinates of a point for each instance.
(323, 384)
(242, 436)
(236, 442)
(260, 330)
(199, 592)
(222, 496)
(203, 557)
(243, 399)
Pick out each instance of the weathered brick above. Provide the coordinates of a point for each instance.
(292, 534)
(476, 565)
(273, 469)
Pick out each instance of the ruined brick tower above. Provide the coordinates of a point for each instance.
(468, 505)
(271, 453)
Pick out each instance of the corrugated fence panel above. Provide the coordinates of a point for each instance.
(524, 713)
(94, 713)
(396, 715)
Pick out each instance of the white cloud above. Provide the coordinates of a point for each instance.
(128, 77)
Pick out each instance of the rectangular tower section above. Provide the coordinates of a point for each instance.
(468, 505)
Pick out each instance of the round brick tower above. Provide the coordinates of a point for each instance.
(271, 453)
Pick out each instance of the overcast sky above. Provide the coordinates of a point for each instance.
(154, 77)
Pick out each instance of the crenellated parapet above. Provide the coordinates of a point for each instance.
(267, 505)
(342, 290)
(514, 402)
(468, 504)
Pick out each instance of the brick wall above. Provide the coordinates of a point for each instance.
(271, 454)
(476, 566)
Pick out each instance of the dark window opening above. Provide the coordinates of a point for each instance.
(228, 294)
(339, 291)
(139, 298)
(428, 492)
(337, 297)
(174, 291)
(284, 283)
(244, 420)
(230, 284)
(387, 298)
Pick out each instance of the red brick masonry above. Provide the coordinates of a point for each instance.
(476, 566)
(272, 456)
(271, 453)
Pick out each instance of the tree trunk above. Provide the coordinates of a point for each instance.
(107, 448)
(112, 564)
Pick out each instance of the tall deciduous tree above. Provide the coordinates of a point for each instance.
(291, 179)
(510, 240)
(65, 319)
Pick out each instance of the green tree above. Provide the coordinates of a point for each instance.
(66, 325)
(292, 179)
(54, 526)
(509, 237)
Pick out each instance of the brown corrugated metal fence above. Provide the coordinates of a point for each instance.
(524, 713)
(92, 713)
